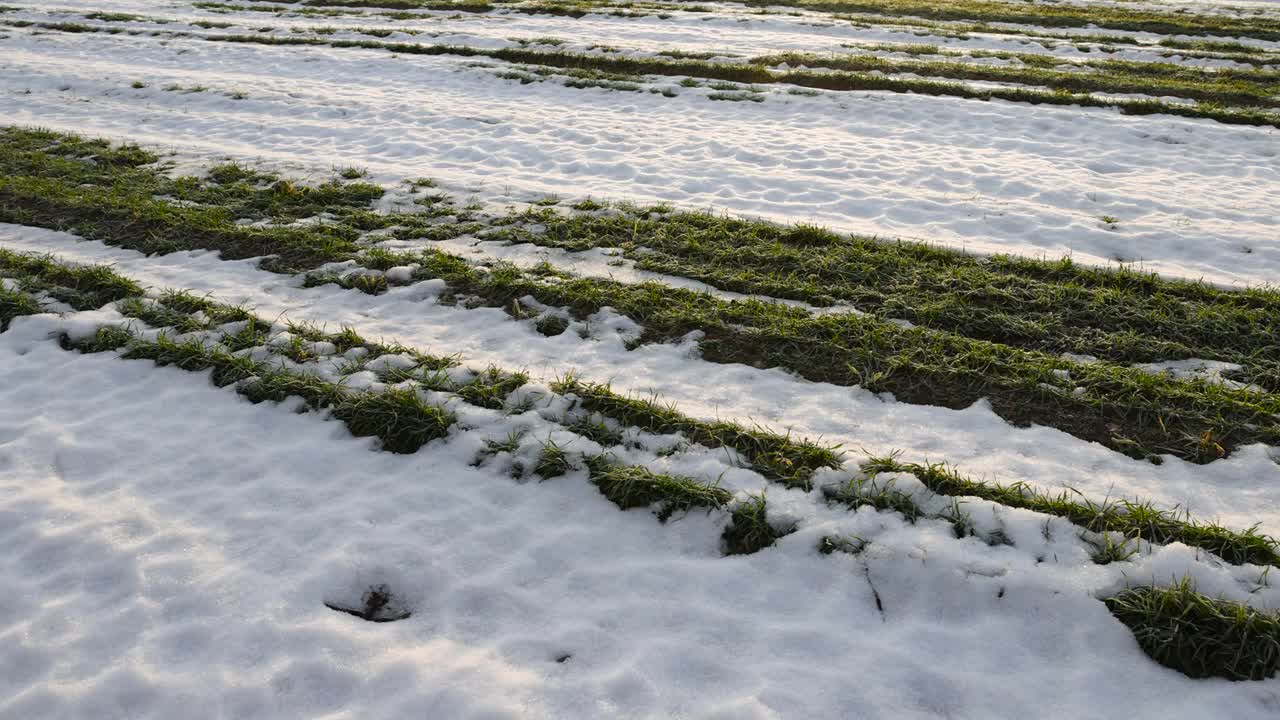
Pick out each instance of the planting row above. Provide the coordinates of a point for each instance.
(360, 381)
(113, 194)
(1239, 99)
(408, 398)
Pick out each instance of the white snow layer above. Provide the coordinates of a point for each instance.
(978, 441)
(170, 547)
(162, 561)
(1190, 197)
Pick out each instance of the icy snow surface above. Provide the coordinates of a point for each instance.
(169, 547)
(164, 563)
(1192, 197)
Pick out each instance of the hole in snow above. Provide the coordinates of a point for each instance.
(377, 604)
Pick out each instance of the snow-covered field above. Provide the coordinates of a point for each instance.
(171, 547)
(1193, 199)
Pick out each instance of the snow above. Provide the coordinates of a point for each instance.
(172, 550)
(979, 442)
(163, 563)
(1193, 198)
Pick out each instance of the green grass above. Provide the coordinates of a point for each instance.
(594, 428)
(398, 417)
(787, 457)
(1053, 15)
(866, 492)
(1129, 518)
(780, 458)
(83, 287)
(114, 17)
(970, 11)
(1124, 316)
(1178, 627)
(553, 461)
(401, 420)
(1200, 636)
(1129, 410)
(552, 325)
(477, 6)
(637, 487)
(1246, 54)
(491, 388)
(1228, 87)
(846, 80)
(1214, 93)
(119, 198)
(749, 529)
(1166, 47)
(14, 304)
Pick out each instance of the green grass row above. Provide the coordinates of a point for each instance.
(1059, 307)
(1219, 49)
(1183, 22)
(1251, 88)
(1259, 26)
(1166, 46)
(1212, 95)
(1222, 49)
(396, 415)
(1126, 409)
(1252, 56)
(567, 9)
(1184, 630)
(1216, 95)
(1248, 88)
(779, 457)
(82, 287)
(25, 278)
(119, 199)
(1136, 412)
(1201, 48)
(15, 304)
(1133, 519)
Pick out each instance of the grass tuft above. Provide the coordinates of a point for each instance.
(636, 487)
(553, 461)
(398, 417)
(14, 304)
(1200, 636)
(749, 529)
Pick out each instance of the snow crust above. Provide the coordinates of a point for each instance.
(1193, 198)
(172, 550)
(979, 442)
(167, 563)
